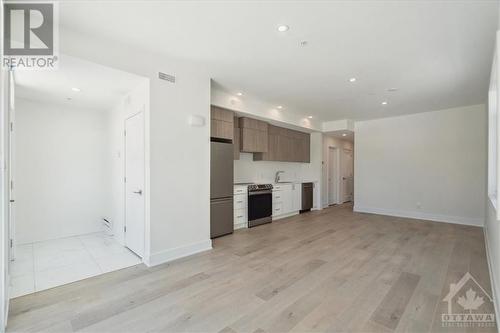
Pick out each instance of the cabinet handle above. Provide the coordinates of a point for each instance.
(239, 201)
(239, 216)
(276, 209)
(278, 197)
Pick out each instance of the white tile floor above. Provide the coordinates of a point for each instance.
(52, 263)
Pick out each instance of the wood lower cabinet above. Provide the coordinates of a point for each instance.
(286, 145)
(221, 123)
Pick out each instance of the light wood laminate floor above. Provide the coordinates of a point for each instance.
(326, 271)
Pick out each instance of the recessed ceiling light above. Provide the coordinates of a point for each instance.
(239, 94)
(279, 107)
(283, 28)
(352, 79)
(384, 103)
(76, 89)
(343, 134)
(310, 117)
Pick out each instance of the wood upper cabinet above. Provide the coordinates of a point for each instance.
(286, 145)
(236, 139)
(221, 123)
(253, 135)
(267, 142)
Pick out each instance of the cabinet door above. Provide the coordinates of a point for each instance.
(218, 113)
(236, 143)
(287, 200)
(245, 122)
(221, 129)
(248, 140)
(306, 149)
(296, 197)
(262, 141)
(253, 141)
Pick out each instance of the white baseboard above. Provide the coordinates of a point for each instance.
(477, 222)
(162, 257)
(494, 288)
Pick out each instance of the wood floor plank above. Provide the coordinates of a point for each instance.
(390, 310)
(325, 271)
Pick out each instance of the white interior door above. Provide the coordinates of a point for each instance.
(347, 171)
(332, 177)
(134, 183)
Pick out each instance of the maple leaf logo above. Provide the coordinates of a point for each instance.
(470, 301)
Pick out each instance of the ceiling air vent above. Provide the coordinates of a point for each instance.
(166, 77)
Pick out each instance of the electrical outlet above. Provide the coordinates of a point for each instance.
(419, 205)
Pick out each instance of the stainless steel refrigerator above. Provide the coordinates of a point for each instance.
(221, 189)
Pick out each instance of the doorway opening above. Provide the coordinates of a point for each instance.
(333, 176)
(338, 174)
(78, 174)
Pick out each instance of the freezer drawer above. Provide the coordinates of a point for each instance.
(221, 217)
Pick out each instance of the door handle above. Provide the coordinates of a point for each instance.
(138, 192)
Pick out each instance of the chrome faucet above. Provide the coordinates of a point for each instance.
(277, 177)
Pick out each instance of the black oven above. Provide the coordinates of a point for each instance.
(260, 204)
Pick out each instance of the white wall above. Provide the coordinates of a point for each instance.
(328, 142)
(179, 190)
(61, 181)
(430, 165)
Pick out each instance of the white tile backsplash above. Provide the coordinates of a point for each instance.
(248, 170)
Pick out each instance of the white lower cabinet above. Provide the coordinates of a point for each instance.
(240, 218)
(285, 201)
(240, 204)
(297, 197)
(240, 201)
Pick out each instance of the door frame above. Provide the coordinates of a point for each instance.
(7, 79)
(145, 191)
(11, 167)
(333, 151)
(342, 187)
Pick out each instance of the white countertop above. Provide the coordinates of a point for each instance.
(274, 183)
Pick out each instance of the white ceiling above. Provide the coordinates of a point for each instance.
(100, 87)
(437, 53)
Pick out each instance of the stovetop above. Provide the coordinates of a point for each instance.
(260, 187)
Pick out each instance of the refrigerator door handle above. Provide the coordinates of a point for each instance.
(221, 199)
